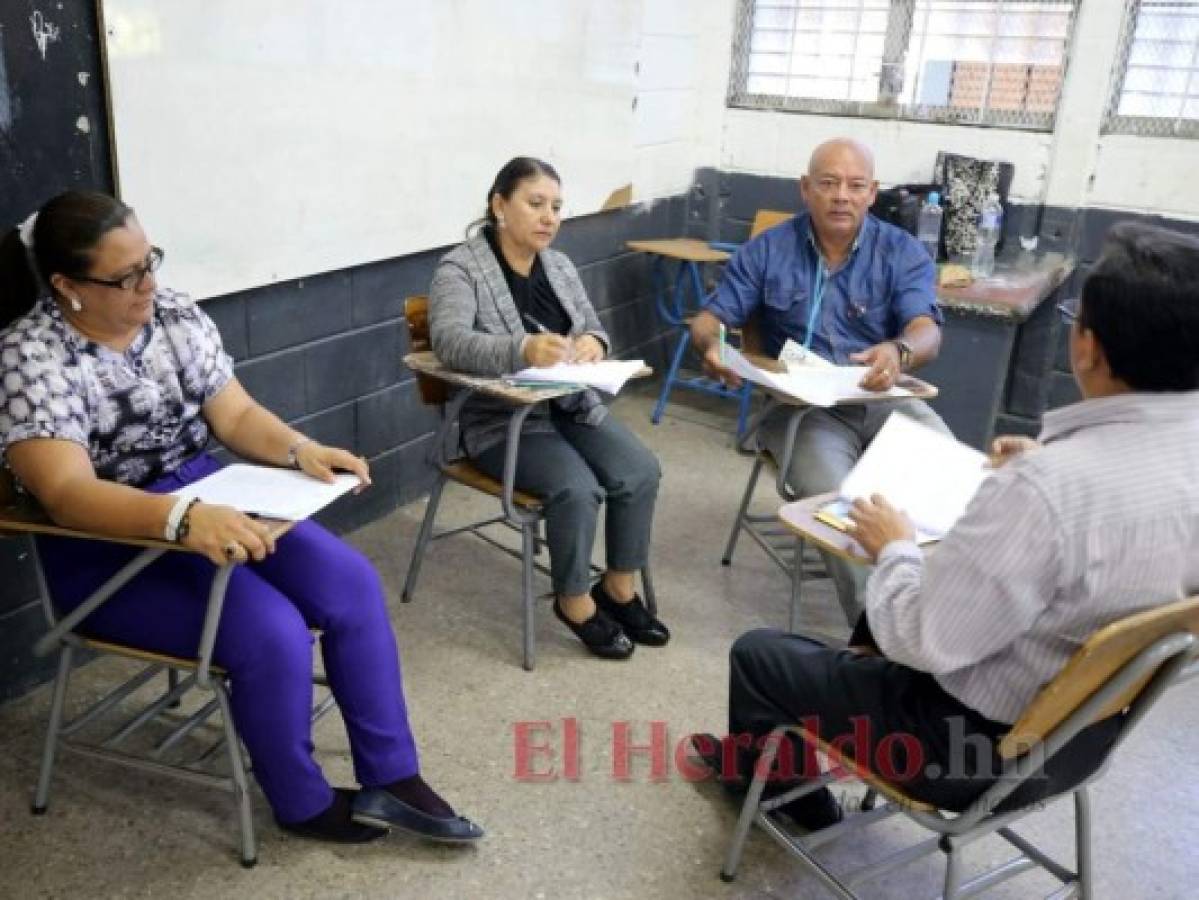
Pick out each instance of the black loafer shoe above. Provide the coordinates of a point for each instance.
(634, 619)
(376, 807)
(335, 824)
(599, 634)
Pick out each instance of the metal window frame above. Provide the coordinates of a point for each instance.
(1143, 126)
(900, 22)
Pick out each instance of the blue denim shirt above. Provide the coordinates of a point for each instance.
(887, 281)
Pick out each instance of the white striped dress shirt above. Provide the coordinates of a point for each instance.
(1100, 522)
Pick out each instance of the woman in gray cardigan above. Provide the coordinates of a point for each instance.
(503, 301)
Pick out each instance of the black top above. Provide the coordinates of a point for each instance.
(534, 296)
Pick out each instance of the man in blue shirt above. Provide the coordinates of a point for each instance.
(849, 288)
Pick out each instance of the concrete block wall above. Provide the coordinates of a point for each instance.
(324, 353)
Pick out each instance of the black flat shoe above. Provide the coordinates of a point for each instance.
(634, 619)
(378, 808)
(335, 824)
(599, 634)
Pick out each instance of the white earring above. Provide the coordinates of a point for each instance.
(76, 305)
(499, 220)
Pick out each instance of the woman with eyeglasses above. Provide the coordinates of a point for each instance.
(110, 387)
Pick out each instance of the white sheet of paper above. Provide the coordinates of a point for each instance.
(609, 375)
(268, 491)
(794, 356)
(923, 472)
(814, 384)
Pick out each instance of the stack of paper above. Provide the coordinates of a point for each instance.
(925, 473)
(268, 491)
(817, 385)
(608, 376)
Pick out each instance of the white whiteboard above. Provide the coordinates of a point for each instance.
(262, 140)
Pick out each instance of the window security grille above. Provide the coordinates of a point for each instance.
(1155, 86)
(979, 62)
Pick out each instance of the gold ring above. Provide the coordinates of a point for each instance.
(231, 549)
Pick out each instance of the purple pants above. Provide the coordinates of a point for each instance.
(312, 580)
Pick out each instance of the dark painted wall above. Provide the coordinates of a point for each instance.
(53, 136)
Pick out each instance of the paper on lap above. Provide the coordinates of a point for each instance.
(927, 474)
(818, 385)
(608, 376)
(268, 491)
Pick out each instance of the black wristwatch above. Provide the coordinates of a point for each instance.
(905, 353)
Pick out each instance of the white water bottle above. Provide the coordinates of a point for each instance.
(990, 224)
(928, 228)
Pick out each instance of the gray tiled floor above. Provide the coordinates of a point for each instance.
(114, 833)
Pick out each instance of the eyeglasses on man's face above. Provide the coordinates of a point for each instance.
(132, 279)
(1069, 310)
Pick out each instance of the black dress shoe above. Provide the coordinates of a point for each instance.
(335, 824)
(708, 749)
(634, 619)
(599, 634)
(811, 812)
(378, 808)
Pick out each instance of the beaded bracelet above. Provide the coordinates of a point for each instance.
(185, 522)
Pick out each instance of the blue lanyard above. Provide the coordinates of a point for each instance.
(817, 299)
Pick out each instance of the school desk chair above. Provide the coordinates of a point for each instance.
(519, 511)
(1121, 670)
(138, 703)
(676, 312)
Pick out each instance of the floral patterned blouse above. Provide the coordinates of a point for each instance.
(137, 412)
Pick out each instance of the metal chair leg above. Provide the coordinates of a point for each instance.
(797, 575)
(41, 796)
(527, 546)
(738, 523)
(1082, 838)
(671, 375)
(647, 585)
(953, 869)
(422, 540)
(241, 786)
(747, 392)
(749, 810)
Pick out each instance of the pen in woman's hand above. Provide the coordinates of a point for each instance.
(541, 329)
(536, 326)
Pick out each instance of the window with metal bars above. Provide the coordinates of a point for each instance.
(972, 62)
(1155, 85)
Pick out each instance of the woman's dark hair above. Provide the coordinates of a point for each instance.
(66, 232)
(512, 174)
(1141, 300)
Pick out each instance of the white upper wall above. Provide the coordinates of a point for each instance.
(683, 123)
(683, 70)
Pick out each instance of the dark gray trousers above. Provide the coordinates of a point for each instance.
(896, 721)
(574, 470)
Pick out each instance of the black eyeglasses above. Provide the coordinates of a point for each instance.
(134, 277)
(1069, 310)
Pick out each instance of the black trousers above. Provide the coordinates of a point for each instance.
(894, 720)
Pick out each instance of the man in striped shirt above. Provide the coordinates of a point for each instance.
(1093, 522)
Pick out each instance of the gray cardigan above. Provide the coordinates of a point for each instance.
(475, 327)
